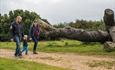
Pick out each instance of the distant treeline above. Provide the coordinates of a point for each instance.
(83, 24)
(28, 17)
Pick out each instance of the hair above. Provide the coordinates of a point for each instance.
(18, 17)
(25, 37)
(36, 21)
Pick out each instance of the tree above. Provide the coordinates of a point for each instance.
(7, 19)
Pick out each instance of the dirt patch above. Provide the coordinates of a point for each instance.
(65, 60)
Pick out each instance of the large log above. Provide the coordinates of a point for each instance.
(107, 37)
(73, 33)
(80, 34)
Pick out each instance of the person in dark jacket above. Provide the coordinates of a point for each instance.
(17, 33)
(34, 33)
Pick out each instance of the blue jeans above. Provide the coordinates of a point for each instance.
(17, 51)
(35, 43)
(25, 48)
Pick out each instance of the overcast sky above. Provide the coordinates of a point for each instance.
(61, 10)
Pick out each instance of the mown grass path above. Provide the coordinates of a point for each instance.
(66, 60)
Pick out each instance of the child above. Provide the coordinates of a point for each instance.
(25, 44)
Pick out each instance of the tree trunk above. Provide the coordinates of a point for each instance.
(80, 34)
(87, 36)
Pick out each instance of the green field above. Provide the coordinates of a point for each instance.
(65, 46)
(15, 64)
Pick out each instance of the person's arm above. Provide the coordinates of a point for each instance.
(12, 29)
(12, 32)
(30, 32)
(22, 30)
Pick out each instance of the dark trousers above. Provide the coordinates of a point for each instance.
(25, 48)
(17, 50)
(35, 39)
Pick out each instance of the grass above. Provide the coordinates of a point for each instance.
(65, 46)
(105, 64)
(13, 64)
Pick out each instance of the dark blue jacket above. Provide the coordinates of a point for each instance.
(17, 29)
(32, 31)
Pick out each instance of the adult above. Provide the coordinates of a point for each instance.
(34, 33)
(17, 33)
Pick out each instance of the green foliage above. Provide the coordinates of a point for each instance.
(60, 25)
(7, 19)
(89, 25)
(83, 24)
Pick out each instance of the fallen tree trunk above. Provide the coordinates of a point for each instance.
(73, 33)
(86, 36)
(90, 36)
(80, 34)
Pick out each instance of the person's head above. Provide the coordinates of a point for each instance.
(18, 19)
(25, 37)
(36, 22)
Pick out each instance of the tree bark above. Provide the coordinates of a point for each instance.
(80, 34)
